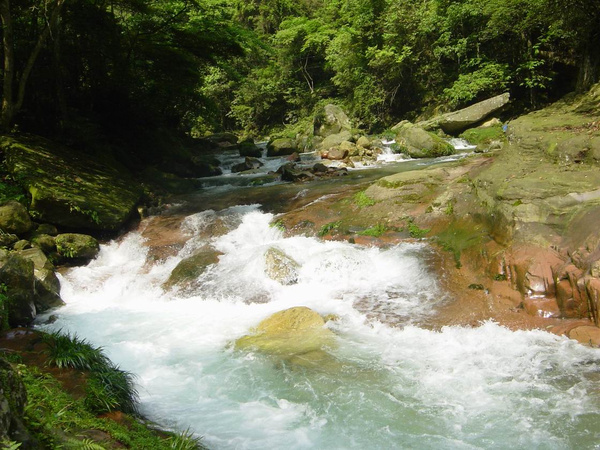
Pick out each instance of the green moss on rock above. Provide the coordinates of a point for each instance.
(69, 188)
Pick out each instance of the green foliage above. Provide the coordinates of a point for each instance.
(10, 445)
(4, 307)
(185, 441)
(69, 351)
(329, 227)
(57, 419)
(108, 388)
(374, 231)
(362, 200)
(415, 231)
(487, 80)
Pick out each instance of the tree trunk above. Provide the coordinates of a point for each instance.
(589, 68)
(10, 104)
(7, 113)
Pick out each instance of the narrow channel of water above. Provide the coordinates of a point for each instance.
(389, 383)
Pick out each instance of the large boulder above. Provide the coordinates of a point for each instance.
(249, 148)
(457, 121)
(335, 140)
(331, 120)
(14, 218)
(70, 188)
(281, 267)
(418, 143)
(17, 277)
(222, 140)
(281, 147)
(297, 334)
(75, 246)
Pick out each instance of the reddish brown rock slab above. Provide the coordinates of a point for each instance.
(541, 307)
(587, 335)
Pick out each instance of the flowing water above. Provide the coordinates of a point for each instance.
(388, 384)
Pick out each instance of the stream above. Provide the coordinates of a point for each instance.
(390, 383)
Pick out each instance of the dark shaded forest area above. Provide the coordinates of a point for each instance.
(128, 73)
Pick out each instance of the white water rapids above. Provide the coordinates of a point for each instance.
(393, 387)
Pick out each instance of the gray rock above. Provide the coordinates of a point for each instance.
(187, 272)
(280, 267)
(249, 148)
(46, 283)
(46, 228)
(8, 240)
(44, 241)
(334, 140)
(364, 142)
(248, 164)
(21, 245)
(458, 121)
(14, 218)
(331, 120)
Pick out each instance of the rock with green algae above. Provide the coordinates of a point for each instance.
(189, 269)
(17, 275)
(418, 143)
(46, 283)
(70, 188)
(77, 246)
(297, 335)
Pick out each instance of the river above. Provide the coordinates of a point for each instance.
(392, 382)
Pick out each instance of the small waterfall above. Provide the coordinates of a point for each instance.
(395, 385)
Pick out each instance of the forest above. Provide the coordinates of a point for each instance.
(132, 73)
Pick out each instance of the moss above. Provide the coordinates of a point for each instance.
(458, 237)
(329, 227)
(362, 200)
(374, 231)
(477, 136)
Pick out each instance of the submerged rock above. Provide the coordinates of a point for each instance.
(297, 334)
(280, 267)
(249, 163)
(189, 269)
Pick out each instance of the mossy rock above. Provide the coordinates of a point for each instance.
(13, 399)
(281, 147)
(14, 218)
(69, 188)
(419, 143)
(75, 246)
(484, 135)
(189, 269)
(18, 300)
(249, 148)
(297, 334)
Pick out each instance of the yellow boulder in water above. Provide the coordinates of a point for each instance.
(297, 334)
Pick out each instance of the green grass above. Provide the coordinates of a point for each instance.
(362, 200)
(415, 231)
(108, 388)
(329, 227)
(374, 231)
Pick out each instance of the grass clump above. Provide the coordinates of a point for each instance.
(374, 231)
(362, 200)
(415, 231)
(66, 351)
(329, 227)
(108, 387)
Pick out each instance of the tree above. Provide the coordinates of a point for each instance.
(11, 101)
